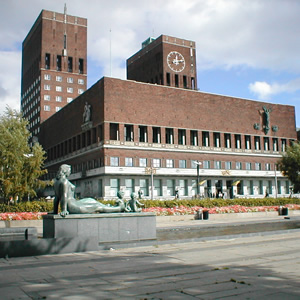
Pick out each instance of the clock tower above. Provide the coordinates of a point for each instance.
(166, 61)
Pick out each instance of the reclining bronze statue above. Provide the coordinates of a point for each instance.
(64, 196)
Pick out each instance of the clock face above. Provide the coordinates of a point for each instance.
(176, 61)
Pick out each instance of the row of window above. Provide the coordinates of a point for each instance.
(60, 78)
(80, 63)
(57, 98)
(47, 87)
(212, 187)
(48, 108)
(182, 163)
(198, 138)
(31, 87)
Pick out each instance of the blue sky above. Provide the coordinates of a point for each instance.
(245, 48)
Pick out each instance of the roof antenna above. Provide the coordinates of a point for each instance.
(65, 13)
(110, 51)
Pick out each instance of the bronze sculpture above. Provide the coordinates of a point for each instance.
(64, 195)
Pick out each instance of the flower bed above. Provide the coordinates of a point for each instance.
(11, 216)
(183, 210)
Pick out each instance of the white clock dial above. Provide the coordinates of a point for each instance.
(175, 61)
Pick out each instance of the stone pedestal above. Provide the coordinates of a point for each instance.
(102, 228)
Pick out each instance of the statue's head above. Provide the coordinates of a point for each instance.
(64, 170)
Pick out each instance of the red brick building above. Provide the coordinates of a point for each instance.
(133, 126)
(54, 66)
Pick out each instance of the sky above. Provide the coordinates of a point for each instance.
(245, 48)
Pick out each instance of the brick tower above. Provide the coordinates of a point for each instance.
(166, 61)
(54, 67)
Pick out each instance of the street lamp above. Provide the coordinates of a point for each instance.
(198, 163)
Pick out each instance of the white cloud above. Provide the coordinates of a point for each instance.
(10, 80)
(264, 90)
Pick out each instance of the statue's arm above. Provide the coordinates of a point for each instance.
(64, 197)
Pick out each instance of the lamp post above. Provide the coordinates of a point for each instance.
(198, 163)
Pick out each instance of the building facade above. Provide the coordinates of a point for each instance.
(124, 134)
(54, 65)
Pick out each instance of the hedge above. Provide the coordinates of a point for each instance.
(44, 206)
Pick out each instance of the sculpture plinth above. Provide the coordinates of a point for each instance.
(104, 228)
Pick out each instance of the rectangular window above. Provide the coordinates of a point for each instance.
(156, 135)
(228, 165)
(248, 166)
(58, 98)
(266, 144)
(59, 78)
(181, 137)
(227, 138)
(176, 80)
(157, 187)
(206, 164)
(47, 87)
(169, 163)
(58, 88)
(257, 166)
(143, 162)
(217, 164)
(46, 108)
(287, 187)
(80, 91)
(194, 164)
(69, 99)
(70, 64)
(156, 163)
(47, 61)
(184, 81)
(183, 187)
(170, 187)
(114, 187)
(47, 77)
(80, 81)
(128, 132)
(143, 136)
(270, 188)
(279, 187)
(58, 62)
(80, 66)
(128, 162)
(217, 142)
(237, 141)
(182, 163)
(283, 145)
(47, 97)
(169, 136)
(248, 142)
(257, 142)
(70, 80)
(268, 167)
(144, 186)
(194, 137)
(168, 79)
(205, 138)
(275, 144)
(69, 90)
(114, 131)
(57, 108)
(129, 186)
(260, 187)
(114, 161)
(251, 188)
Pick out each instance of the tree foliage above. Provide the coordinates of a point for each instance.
(289, 165)
(21, 166)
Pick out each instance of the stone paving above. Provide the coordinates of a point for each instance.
(250, 267)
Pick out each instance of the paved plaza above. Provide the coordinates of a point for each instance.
(261, 266)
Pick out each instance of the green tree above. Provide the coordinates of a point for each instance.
(289, 165)
(21, 166)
